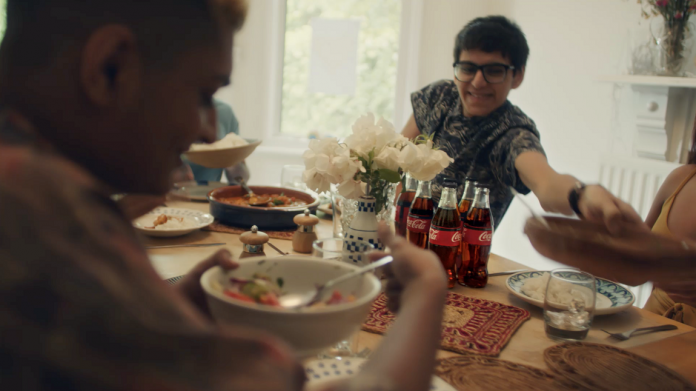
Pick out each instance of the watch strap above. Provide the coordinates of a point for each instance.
(574, 197)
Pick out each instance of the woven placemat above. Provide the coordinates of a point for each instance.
(478, 373)
(219, 227)
(602, 367)
(469, 325)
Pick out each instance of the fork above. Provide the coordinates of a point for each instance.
(627, 334)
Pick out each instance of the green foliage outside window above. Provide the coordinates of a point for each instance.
(304, 112)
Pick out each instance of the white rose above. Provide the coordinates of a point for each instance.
(388, 158)
(410, 157)
(364, 122)
(344, 168)
(310, 159)
(316, 181)
(351, 189)
(431, 161)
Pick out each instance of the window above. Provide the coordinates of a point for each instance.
(2, 18)
(304, 111)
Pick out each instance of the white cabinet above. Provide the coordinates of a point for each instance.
(657, 114)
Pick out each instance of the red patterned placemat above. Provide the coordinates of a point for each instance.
(469, 325)
(219, 227)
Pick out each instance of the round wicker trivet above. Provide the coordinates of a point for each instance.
(601, 367)
(479, 373)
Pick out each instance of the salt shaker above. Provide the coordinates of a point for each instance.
(305, 236)
(253, 243)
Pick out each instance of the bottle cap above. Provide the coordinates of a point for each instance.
(306, 219)
(254, 237)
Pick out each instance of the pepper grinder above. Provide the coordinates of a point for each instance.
(253, 243)
(305, 236)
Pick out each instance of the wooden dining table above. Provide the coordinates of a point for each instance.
(526, 346)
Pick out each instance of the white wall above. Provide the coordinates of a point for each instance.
(572, 42)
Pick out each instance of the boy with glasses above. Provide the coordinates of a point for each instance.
(492, 140)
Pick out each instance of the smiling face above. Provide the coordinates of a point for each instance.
(480, 98)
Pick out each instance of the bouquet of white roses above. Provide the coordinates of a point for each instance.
(369, 160)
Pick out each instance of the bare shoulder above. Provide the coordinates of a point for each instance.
(682, 219)
(674, 179)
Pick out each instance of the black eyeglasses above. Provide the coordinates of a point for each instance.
(495, 73)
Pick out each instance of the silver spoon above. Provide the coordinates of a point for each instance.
(534, 214)
(259, 201)
(297, 300)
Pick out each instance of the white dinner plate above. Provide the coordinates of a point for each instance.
(611, 297)
(326, 371)
(193, 219)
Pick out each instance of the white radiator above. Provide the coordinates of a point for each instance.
(636, 181)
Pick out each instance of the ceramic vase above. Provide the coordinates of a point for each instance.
(362, 227)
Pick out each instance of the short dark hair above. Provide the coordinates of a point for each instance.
(39, 31)
(494, 34)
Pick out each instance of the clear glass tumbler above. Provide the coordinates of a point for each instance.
(569, 304)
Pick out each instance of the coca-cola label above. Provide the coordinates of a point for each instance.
(445, 236)
(419, 224)
(477, 236)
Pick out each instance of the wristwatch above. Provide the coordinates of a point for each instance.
(574, 197)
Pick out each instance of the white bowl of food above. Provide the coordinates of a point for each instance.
(172, 222)
(224, 153)
(233, 299)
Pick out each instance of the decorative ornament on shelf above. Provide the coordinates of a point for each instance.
(672, 36)
(366, 167)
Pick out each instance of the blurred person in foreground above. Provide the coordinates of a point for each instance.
(673, 214)
(491, 140)
(81, 308)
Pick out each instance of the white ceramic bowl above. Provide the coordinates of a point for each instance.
(309, 331)
(222, 158)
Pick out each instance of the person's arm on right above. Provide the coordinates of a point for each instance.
(417, 288)
(411, 130)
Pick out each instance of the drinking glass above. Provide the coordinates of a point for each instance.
(291, 177)
(569, 304)
(352, 251)
(337, 210)
(344, 250)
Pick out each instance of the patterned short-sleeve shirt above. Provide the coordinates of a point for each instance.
(483, 148)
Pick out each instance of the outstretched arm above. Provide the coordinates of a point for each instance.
(552, 189)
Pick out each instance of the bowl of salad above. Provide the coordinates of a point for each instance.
(248, 296)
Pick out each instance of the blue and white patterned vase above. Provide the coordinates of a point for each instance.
(363, 227)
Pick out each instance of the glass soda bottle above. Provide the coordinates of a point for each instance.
(464, 206)
(446, 231)
(403, 204)
(420, 216)
(477, 233)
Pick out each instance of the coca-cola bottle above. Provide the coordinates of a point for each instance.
(403, 204)
(464, 206)
(446, 231)
(476, 240)
(420, 216)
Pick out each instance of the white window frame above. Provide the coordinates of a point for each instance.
(407, 75)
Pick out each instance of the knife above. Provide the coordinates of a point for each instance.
(185, 245)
